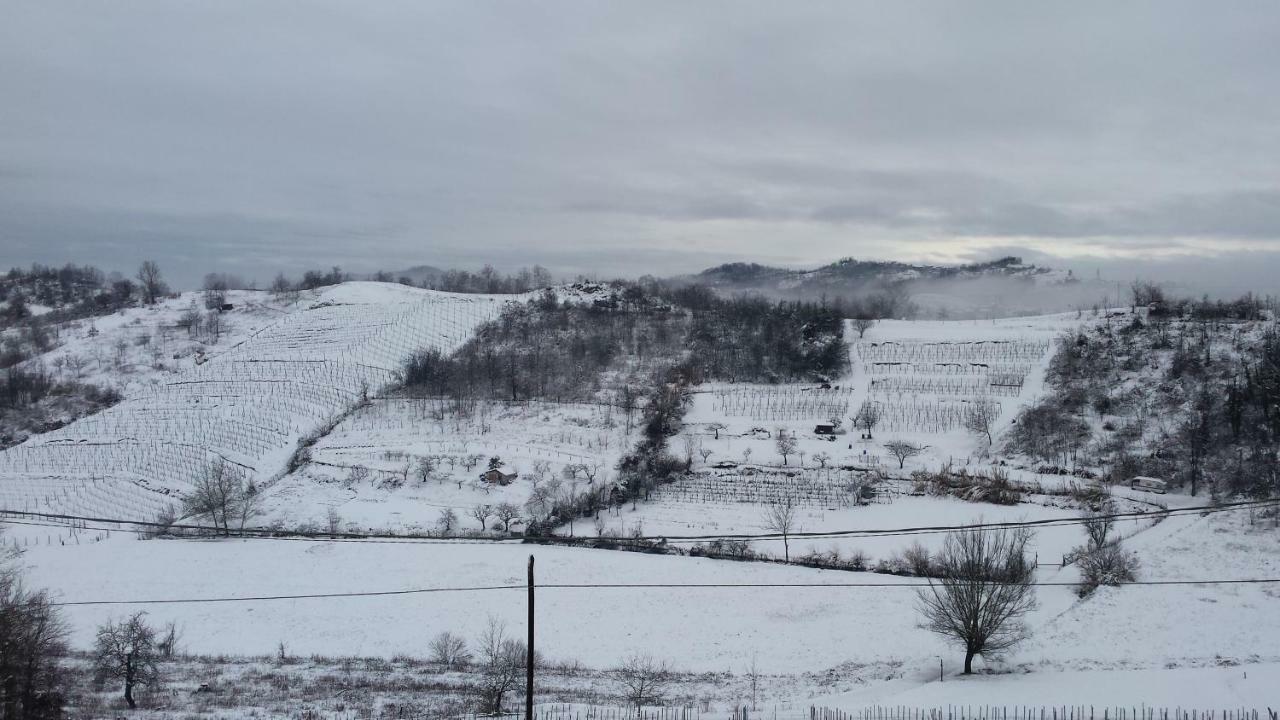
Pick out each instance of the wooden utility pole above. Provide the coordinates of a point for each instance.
(528, 662)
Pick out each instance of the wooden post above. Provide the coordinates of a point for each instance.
(528, 669)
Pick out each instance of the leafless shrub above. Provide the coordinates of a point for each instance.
(916, 557)
(450, 651)
(1107, 565)
(644, 680)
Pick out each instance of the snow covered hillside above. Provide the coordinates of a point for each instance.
(248, 405)
(404, 463)
(920, 376)
(827, 637)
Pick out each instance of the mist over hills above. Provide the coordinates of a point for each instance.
(1005, 286)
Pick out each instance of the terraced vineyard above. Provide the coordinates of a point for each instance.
(248, 406)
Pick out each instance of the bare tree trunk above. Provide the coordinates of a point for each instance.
(128, 681)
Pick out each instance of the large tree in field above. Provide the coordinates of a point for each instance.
(221, 495)
(127, 651)
(150, 282)
(903, 450)
(982, 589)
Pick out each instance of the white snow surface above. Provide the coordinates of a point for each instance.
(867, 637)
(1160, 645)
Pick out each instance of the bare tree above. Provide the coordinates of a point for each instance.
(506, 513)
(1103, 560)
(501, 663)
(983, 587)
(715, 427)
(868, 416)
(1097, 526)
(862, 325)
(215, 291)
(212, 326)
(903, 450)
(280, 286)
(450, 650)
(823, 458)
(33, 641)
(447, 522)
(217, 494)
(425, 467)
(334, 521)
(248, 504)
(690, 445)
(150, 281)
(1146, 293)
(980, 417)
(481, 513)
(167, 643)
(644, 680)
(541, 469)
(540, 503)
(127, 651)
(780, 517)
(785, 443)
(706, 454)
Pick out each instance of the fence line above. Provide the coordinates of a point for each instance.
(899, 712)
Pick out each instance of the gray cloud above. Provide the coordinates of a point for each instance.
(649, 137)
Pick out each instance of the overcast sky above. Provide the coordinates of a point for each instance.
(624, 137)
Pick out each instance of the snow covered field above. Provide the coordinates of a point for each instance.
(792, 629)
(868, 637)
(685, 519)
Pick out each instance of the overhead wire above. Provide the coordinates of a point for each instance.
(630, 586)
(267, 533)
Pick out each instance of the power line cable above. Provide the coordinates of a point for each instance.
(258, 533)
(308, 596)
(627, 586)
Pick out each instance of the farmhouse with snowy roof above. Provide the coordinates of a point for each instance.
(499, 476)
